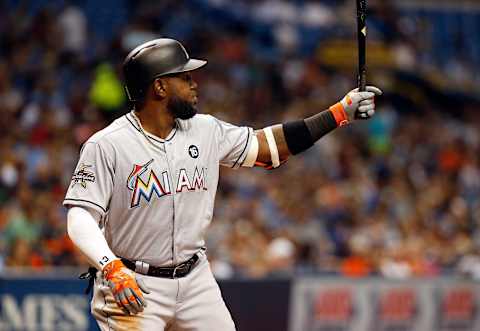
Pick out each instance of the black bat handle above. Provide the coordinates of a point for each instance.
(362, 80)
(362, 40)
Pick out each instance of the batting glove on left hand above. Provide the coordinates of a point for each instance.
(125, 288)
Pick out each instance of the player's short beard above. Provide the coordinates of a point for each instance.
(181, 108)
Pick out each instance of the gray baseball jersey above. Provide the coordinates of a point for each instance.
(155, 195)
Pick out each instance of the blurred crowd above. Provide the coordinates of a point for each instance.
(398, 195)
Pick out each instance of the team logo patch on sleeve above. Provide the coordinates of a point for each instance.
(83, 175)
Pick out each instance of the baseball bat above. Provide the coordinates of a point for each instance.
(362, 39)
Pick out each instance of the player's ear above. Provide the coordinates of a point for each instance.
(160, 88)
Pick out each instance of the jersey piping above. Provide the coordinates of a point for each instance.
(244, 148)
(150, 136)
(82, 200)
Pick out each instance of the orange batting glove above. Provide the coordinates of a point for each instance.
(125, 288)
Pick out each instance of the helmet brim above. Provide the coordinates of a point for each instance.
(194, 64)
(191, 65)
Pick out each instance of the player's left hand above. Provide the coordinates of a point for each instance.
(126, 290)
(360, 105)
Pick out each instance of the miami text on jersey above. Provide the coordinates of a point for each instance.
(146, 189)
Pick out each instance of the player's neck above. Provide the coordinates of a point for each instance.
(158, 122)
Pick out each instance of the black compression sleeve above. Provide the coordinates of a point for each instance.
(302, 134)
(321, 124)
(297, 136)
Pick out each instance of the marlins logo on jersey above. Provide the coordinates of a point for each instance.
(147, 188)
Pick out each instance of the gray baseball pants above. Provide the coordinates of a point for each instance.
(191, 303)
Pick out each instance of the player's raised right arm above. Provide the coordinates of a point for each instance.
(274, 144)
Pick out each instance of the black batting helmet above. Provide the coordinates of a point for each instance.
(153, 59)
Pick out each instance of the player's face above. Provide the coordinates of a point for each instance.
(184, 96)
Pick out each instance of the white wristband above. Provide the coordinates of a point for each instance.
(272, 145)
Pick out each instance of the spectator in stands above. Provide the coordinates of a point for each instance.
(402, 201)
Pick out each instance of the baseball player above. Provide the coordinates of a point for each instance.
(142, 194)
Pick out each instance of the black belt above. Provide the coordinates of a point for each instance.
(177, 271)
